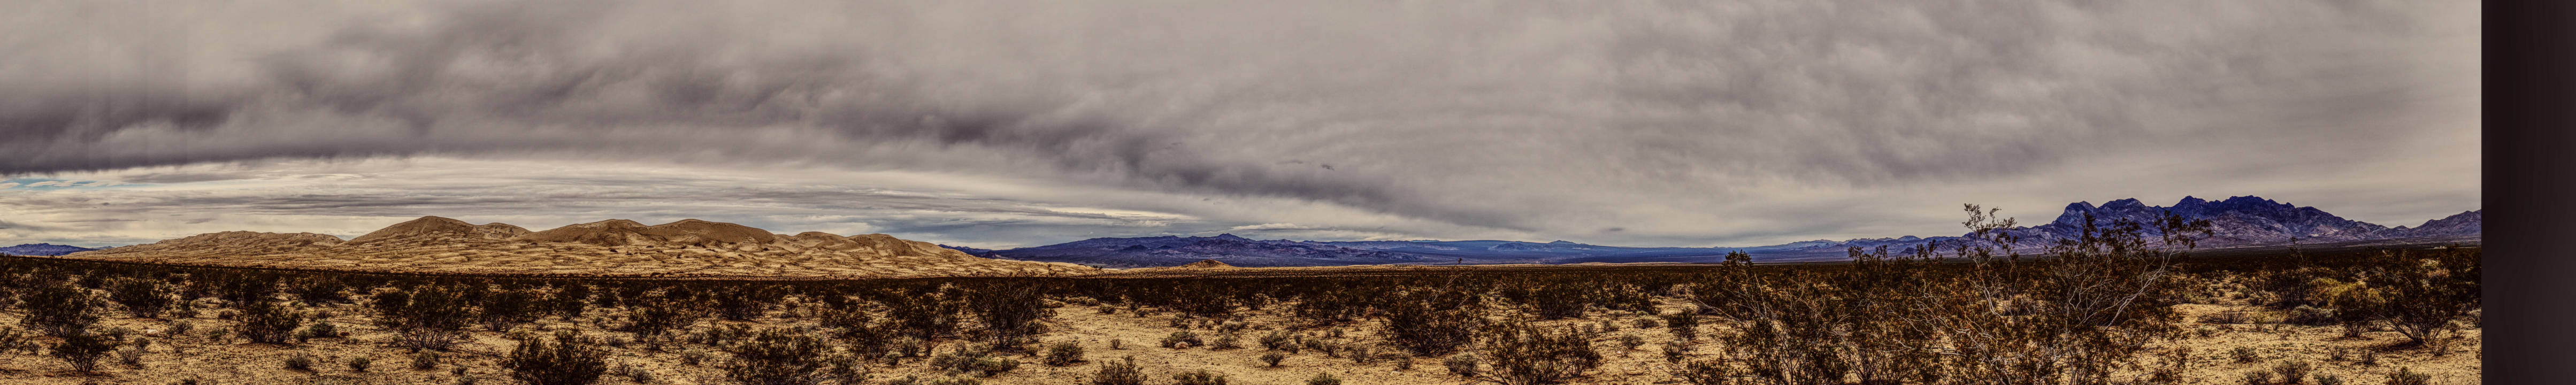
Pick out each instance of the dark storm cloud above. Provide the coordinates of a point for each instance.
(1616, 120)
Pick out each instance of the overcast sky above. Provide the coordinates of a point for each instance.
(1004, 123)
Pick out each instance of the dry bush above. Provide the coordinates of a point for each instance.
(269, 322)
(428, 317)
(785, 357)
(1121, 372)
(568, 359)
(143, 297)
(1523, 354)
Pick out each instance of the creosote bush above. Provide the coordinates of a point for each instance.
(1120, 372)
(1063, 353)
(1199, 377)
(82, 350)
(567, 359)
(785, 357)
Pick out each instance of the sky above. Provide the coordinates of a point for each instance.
(1003, 124)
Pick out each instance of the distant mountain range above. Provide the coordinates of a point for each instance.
(2236, 222)
(42, 249)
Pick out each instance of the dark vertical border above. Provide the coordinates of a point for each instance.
(2530, 179)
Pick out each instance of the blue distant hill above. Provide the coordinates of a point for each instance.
(2236, 222)
(42, 249)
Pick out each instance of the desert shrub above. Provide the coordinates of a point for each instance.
(570, 300)
(2244, 354)
(926, 313)
(2329, 379)
(1556, 300)
(2310, 315)
(1120, 372)
(651, 321)
(1181, 340)
(1703, 372)
(424, 359)
(1431, 322)
(1272, 359)
(1646, 323)
(744, 303)
(1631, 340)
(132, 355)
(2426, 297)
(1011, 311)
(302, 361)
(1199, 377)
(2357, 306)
(269, 322)
(1463, 365)
(2292, 371)
(360, 363)
(59, 310)
(1226, 341)
(1323, 379)
(636, 373)
(1063, 353)
(1362, 354)
(567, 359)
(1525, 355)
(2405, 376)
(427, 317)
(785, 357)
(2257, 377)
(142, 297)
(973, 360)
(1279, 340)
(1674, 351)
(82, 350)
(319, 290)
(502, 310)
(1684, 324)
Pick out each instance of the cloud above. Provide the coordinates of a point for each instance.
(1652, 122)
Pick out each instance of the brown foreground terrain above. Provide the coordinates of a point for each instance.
(2220, 321)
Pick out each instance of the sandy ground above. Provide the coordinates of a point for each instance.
(193, 356)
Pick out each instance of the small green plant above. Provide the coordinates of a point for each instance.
(1463, 365)
(1063, 353)
(1120, 372)
(2292, 371)
(300, 361)
(568, 359)
(424, 360)
(2244, 354)
(1702, 372)
(2405, 376)
(1199, 377)
(1272, 359)
(2258, 377)
(1181, 340)
(1324, 379)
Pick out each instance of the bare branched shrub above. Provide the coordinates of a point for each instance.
(1523, 354)
(785, 357)
(566, 359)
(1120, 372)
(60, 310)
(143, 297)
(427, 317)
(269, 322)
(82, 350)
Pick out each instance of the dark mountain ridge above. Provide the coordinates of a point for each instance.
(2244, 221)
(42, 249)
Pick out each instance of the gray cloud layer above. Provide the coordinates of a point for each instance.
(1671, 122)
